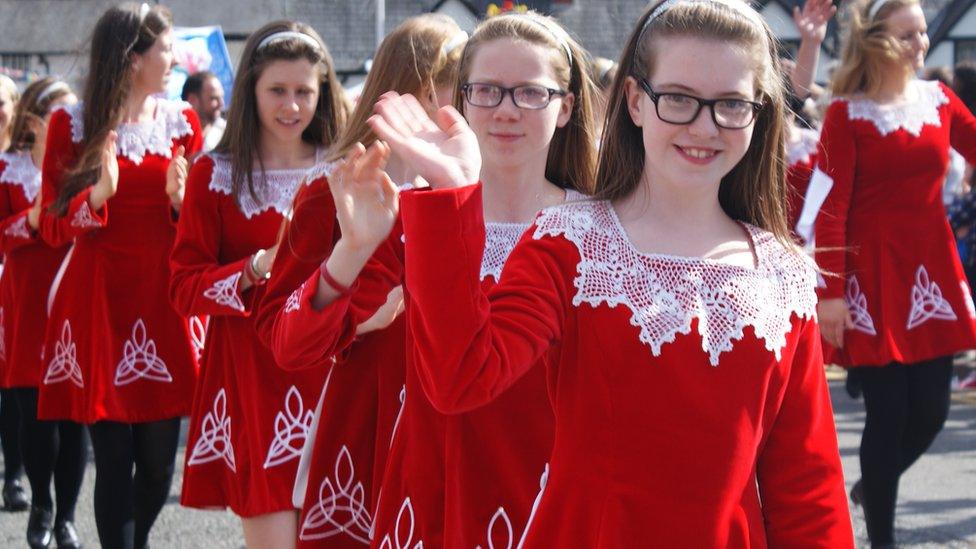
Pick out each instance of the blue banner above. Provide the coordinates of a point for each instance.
(200, 49)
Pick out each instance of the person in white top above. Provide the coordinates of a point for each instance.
(205, 93)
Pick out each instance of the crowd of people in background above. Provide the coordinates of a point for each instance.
(509, 295)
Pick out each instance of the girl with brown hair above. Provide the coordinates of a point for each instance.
(684, 360)
(250, 421)
(898, 307)
(117, 357)
(51, 449)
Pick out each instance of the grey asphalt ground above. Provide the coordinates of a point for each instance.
(937, 502)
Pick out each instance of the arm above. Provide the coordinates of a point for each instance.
(15, 231)
(470, 347)
(199, 284)
(962, 133)
(800, 478)
(186, 148)
(811, 22)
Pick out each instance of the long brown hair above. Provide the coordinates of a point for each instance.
(869, 51)
(119, 33)
(240, 138)
(411, 59)
(572, 153)
(755, 190)
(32, 107)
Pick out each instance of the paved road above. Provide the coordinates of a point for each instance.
(937, 506)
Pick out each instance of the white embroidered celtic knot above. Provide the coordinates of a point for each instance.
(64, 365)
(500, 528)
(803, 148)
(294, 301)
(198, 333)
(20, 170)
(83, 218)
(215, 436)
(857, 304)
(500, 240)
(18, 229)
(403, 530)
(275, 189)
(3, 337)
(341, 506)
(136, 140)
(224, 292)
(139, 359)
(910, 116)
(291, 428)
(666, 293)
(927, 301)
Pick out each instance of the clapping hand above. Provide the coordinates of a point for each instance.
(367, 202)
(176, 174)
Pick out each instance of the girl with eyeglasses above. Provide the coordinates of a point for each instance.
(898, 306)
(117, 357)
(469, 479)
(676, 314)
(51, 449)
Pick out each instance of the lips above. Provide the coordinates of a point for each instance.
(506, 137)
(697, 155)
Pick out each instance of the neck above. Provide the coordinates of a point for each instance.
(37, 153)
(671, 207)
(277, 154)
(516, 194)
(894, 85)
(138, 107)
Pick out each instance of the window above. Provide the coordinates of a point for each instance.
(965, 49)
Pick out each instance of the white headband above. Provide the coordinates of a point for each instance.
(875, 8)
(454, 42)
(289, 35)
(559, 39)
(737, 5)
(143, 11)
(52, 88)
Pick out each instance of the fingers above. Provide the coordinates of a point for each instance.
(393, 118)
(385, 131)
(418, 113)
(180, 152)
(451, 122)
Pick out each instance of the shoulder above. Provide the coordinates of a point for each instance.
(577, 225)
(177, 117)
(70, 116)
(785, 262)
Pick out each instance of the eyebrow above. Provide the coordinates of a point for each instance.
(496, 82)
(682, 88)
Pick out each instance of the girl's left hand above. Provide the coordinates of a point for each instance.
(176, 174)
(811, 21)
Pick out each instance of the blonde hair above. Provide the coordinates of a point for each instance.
(869, 50)
(572, 152)
(755, 190)
(411, 59)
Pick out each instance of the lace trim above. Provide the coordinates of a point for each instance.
(214, 442)
(291, 429)
(275, 189)
(21, 171)
(137, 139)
(18, 229)
(910, 116)
(665, 293)
(800, 151)
(341, 507)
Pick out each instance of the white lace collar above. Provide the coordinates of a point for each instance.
(137, 139)
(276, 190)
(501, 238)
(800, 151)
(910, 116)
(665, 293)
(20, 170)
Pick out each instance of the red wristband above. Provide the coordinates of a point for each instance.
(332, 282)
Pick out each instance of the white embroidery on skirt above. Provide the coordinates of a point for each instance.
(224, 292)
(83, 218)
(64, 365)
(543, 480)
(3, 337)
(215, 441)
(341, 507)
(198, 333)
(291, 429)
(500, 519)
(401, 539)
(139, 359)
(927, 301)
(18, 229)
(857, 304)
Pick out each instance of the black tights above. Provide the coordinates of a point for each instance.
(907, 405)
(127, 504)
(13, 464)
(55, 449)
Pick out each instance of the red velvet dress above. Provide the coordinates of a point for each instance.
(883, 227)
(114, 348)
(250, 420)
(801, 157)
(690, 401)
(29, 267)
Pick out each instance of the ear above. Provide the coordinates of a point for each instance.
(633, 93)
(135, 62)
(566, 110)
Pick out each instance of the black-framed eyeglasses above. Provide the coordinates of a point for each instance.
(682, 109)
(530, 96)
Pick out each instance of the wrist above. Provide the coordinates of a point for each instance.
(255, 273)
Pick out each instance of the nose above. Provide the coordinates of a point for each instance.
(703, 125)
(507, 110)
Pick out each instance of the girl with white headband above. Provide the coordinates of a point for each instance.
(250, 420)
(898, 307)
(117, 357)
(51, 449)
(684, 359)
(462, 480)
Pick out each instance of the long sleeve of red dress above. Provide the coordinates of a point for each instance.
(836, 157)
(962, 135)
(15, 232)
(200, 284)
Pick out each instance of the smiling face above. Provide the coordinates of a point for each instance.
(151, 70)
(287, 93)
(907, 26)
(698, 154)
(510, 136)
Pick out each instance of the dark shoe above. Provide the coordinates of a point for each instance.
(14, 497)
(853, 384)
(66, 536)
(857, 493)
(39, 528)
